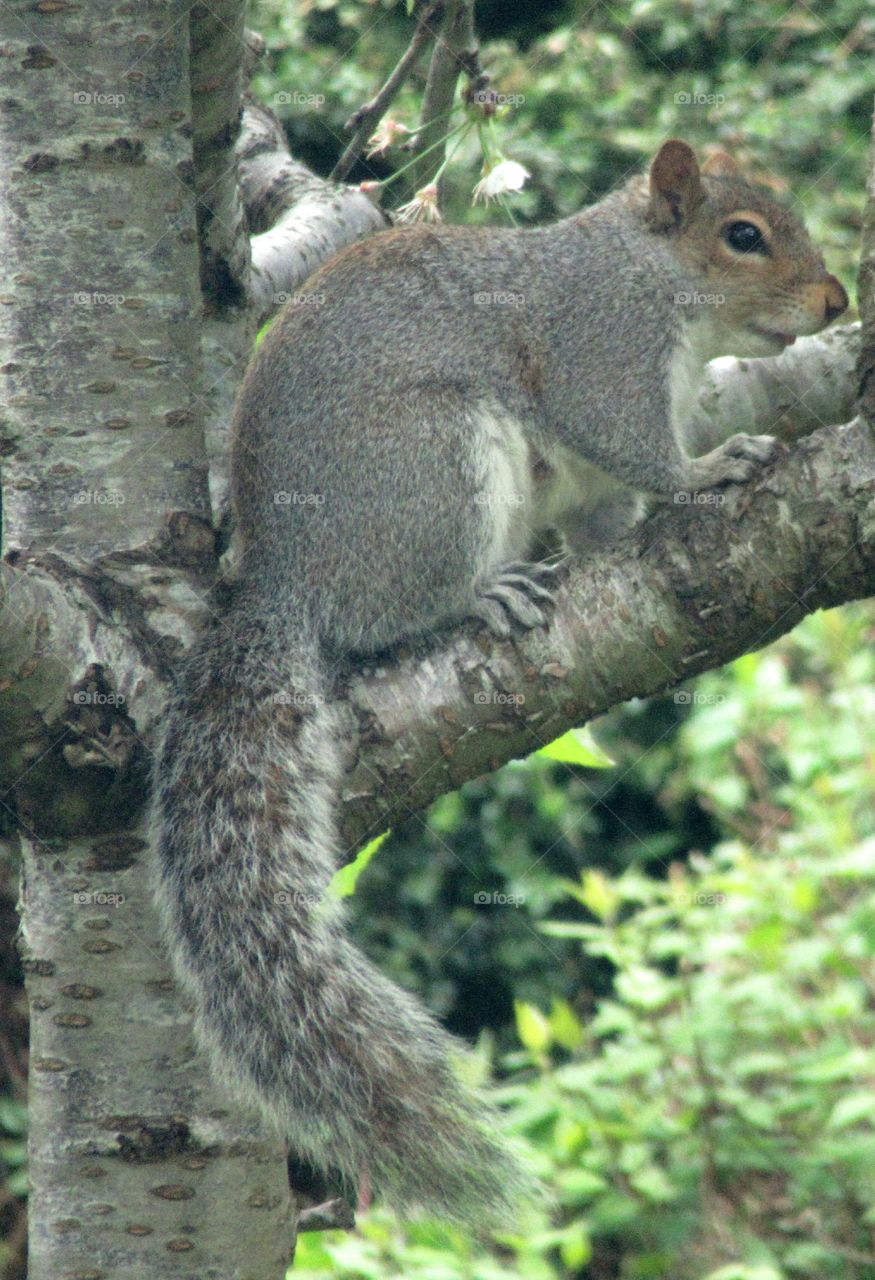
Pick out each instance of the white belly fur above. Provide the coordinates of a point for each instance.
(507, 488)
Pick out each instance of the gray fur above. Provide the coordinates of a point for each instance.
(400, 439)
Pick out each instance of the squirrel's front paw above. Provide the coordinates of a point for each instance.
(518, 593)
(734, 461)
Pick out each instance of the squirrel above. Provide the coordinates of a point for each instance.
(397, 450)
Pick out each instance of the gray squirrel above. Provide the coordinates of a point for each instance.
(398, 450)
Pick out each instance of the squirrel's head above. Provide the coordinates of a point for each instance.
(761, 280)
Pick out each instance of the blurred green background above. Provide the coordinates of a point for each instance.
(672, 982)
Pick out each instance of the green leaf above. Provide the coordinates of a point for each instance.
(565, 1024)
(577, 746)
(599, 895)
(645, 988)
(576, 1185)
(13, 1115)
(653, 1184)
(532, 1027)
(344, 881)
(851, 1109)
(575, 1246)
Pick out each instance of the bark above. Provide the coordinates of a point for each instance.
(308, 218)
(139, 1164)
(454, 48)
(812, 384)
(866, 295)
(229, 325)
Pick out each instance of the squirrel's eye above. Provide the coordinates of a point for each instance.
(744, 237)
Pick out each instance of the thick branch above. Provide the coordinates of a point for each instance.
(309, 219)
(810, 385)
(693, 589)
(217, 55)
(696, 587)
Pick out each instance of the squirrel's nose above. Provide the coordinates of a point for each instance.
(835, 299)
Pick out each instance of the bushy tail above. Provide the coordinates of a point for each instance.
(354, 1072)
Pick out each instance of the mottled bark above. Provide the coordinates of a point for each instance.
(139, 1164)
(300, 220)
(866, 296)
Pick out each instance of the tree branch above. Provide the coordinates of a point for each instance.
(452, 53)
(810, 385)
(308, 218)
(696, 587)
(368, 116)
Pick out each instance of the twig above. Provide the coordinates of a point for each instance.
(365, 119)
(453, 51)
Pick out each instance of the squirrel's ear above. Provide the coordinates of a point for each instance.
(720, 164)
(675, 185)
